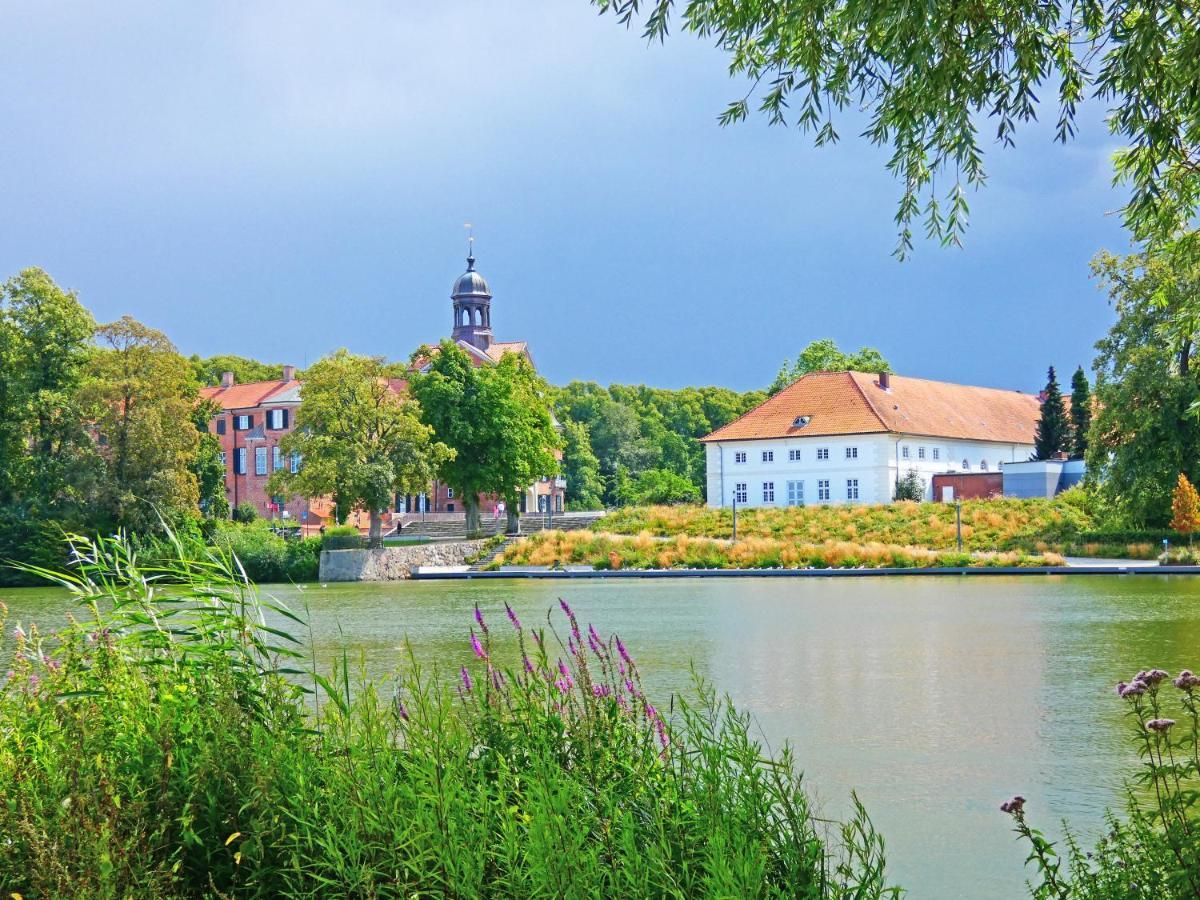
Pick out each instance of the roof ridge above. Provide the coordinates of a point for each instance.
(870, 404)
(976, 387)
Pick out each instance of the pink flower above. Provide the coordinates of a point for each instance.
(479, 618)
(1013, 806)
(476, 646)
(1160, 725)
(512, 617)
(466, 679)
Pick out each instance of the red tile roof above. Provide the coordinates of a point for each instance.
(855, 403)
(245, 396)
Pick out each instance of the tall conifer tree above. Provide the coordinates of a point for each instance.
(1081, 413)
(1053, 430)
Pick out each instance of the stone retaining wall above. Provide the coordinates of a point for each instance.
(392, 563)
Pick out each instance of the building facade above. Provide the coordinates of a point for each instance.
(847, 437)
(253, 418)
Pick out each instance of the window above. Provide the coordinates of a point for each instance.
(851, 488)
(221, 456)
(739, 456)
(904, 452)
(276, 457)
(768, 492)
(823, 490)
(768, 456)
(243, 423)
(739, 492)
(294, 463)
(277, 419)
(795, 493)
(239, 461)
(920, 453)
(851, 453)
(937, 452)
(983, 465)
(449, 493)
(966, 464)
(221, 425)
(260, 460)
(793, 456)
(822, 453)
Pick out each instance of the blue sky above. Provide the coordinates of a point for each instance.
(278, 179)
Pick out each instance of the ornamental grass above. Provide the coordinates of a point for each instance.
(645, 551)
(169, 742)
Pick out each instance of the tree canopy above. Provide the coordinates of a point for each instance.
(245, 370)
(357, 438)
(928, 76)
(823, 355)
(497, 420)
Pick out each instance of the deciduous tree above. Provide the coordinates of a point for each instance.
(496, 418)
(823, 355)
(359, 438)
(1185, 507)
(581, 468)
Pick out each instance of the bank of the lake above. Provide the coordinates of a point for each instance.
(934, 698)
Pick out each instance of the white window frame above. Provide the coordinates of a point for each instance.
(276, 458)
(241, 423)
(739, 457)
(260, 460)
(983, 466)
(920, 453)
(851, 488)
(740, 493)
(904, 452)
(768, 456)
(822, 453)
(239, 461)
(795, 492)
(768, 492)
(793, 456)
(937, 452)
(224, 459)
(966, 465)
(851, 453)
(294, 463)
(823, 489)
(449, 493)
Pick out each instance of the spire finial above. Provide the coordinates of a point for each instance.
(470, 246)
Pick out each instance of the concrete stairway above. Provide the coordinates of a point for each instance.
(456, 530)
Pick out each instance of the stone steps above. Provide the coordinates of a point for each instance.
(442, 530)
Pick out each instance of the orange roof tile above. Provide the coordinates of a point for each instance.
(854, 403)
(246, 396)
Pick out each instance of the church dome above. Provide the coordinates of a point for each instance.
(470, 283)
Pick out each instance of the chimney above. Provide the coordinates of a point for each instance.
(226, 379)
(885, 381)
(289, 373)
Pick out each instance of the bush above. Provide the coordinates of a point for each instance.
(33, 541)
(245, 513)
(664, 487)
(910, 487)
(157, 748)
(267, 556)
(1155, 851)
(342, 537)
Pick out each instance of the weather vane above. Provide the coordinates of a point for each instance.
(470, 239)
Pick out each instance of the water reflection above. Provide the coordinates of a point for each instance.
(935, 698)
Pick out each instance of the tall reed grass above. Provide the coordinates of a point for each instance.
(170, 742)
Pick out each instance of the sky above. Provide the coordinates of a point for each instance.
(280, 179)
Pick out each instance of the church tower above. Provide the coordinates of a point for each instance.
(472, 306)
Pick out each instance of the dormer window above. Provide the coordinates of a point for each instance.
(801, 421)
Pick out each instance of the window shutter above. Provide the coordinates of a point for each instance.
(285, 418)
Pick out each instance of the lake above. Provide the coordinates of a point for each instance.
(935, 698)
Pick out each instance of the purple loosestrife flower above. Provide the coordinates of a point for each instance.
(563, 685)
(571, 648)
(1160, 725)
(651, 712)
(528, 664)
(571, 618)
(466, 679)
(661, 728)
(479, 618)
(498, 681)
(601, 690)
(624, 653)
(512, 616)
(401, 709)
(476, 646)
(1014, 806)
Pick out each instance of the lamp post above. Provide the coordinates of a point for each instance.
(958, 522)
(735, 517)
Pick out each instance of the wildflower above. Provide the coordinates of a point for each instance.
(19, 633)
(1186, 680)
(1160, 725)
(624, 653)
(466, 679)
(601, 690)
(651, 712)
(1153, 677)
(1121, 685)
(562, 669)
(571, 648)
(563, 684)
(476, 646)
(401, 709)
(1015, 806)
(1134, 689)
(662, 732)
(479, 618)
(512, 616)
(528, 664)
(571, 617)
(34, 680)
(498, 681)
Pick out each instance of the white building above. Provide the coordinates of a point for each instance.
(846, 437)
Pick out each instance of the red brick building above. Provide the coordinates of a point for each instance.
(255, 417)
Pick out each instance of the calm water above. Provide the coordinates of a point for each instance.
(934, 698)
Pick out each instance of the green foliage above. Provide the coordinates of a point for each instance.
(660, 486)
(1154, 852)
(1081, 413)
(1053, 434)
(141, 399)
(495, 418)
(341, 537)
(268, 557)
(245, 513)
(823, 355)
(163, 746)
(633, 428)
(911, 487)
(1143, 431)
(581, 468)
(926, 76)
(360, 440)
(208, 371)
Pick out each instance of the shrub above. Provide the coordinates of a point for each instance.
(158, 748)
(342, 537)
(910, 487)
(245, 513)
(1155, 851)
